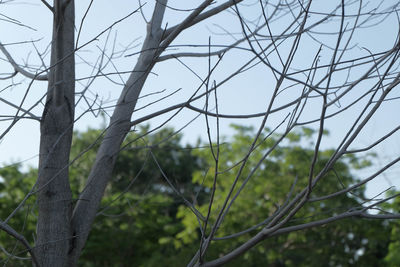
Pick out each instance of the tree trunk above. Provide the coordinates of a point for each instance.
(54, 233)
(120, 125)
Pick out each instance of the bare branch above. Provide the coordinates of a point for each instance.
(198, 18)
(169, 37)
(10, 231)
(19, 69)
(20, 108)
(48, 5)
(261, 236)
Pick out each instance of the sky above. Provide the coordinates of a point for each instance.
(245, 94)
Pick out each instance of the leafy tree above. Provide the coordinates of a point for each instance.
(133, 208)
(345, 243)
(139, 203)
(392, 259)
(13, 187)
(169, 230)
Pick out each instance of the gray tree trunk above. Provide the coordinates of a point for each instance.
(120, 124)
(54, 193)
(62, 229)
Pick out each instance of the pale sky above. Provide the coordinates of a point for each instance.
(245, 94)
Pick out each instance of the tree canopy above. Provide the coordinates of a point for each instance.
(142, 204)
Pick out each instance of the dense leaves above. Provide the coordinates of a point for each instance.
(145, 219)
(14, 186)
(348, 242)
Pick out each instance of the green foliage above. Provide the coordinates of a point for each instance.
(135, 236)
(337, 244)
(392, 259)
(143, 222)
(359, 163)
(138, 220)
(13, 188)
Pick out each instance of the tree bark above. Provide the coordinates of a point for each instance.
(54, 198)
(62, 234)
(120, 124)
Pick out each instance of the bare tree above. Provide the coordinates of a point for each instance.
(317, 75)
